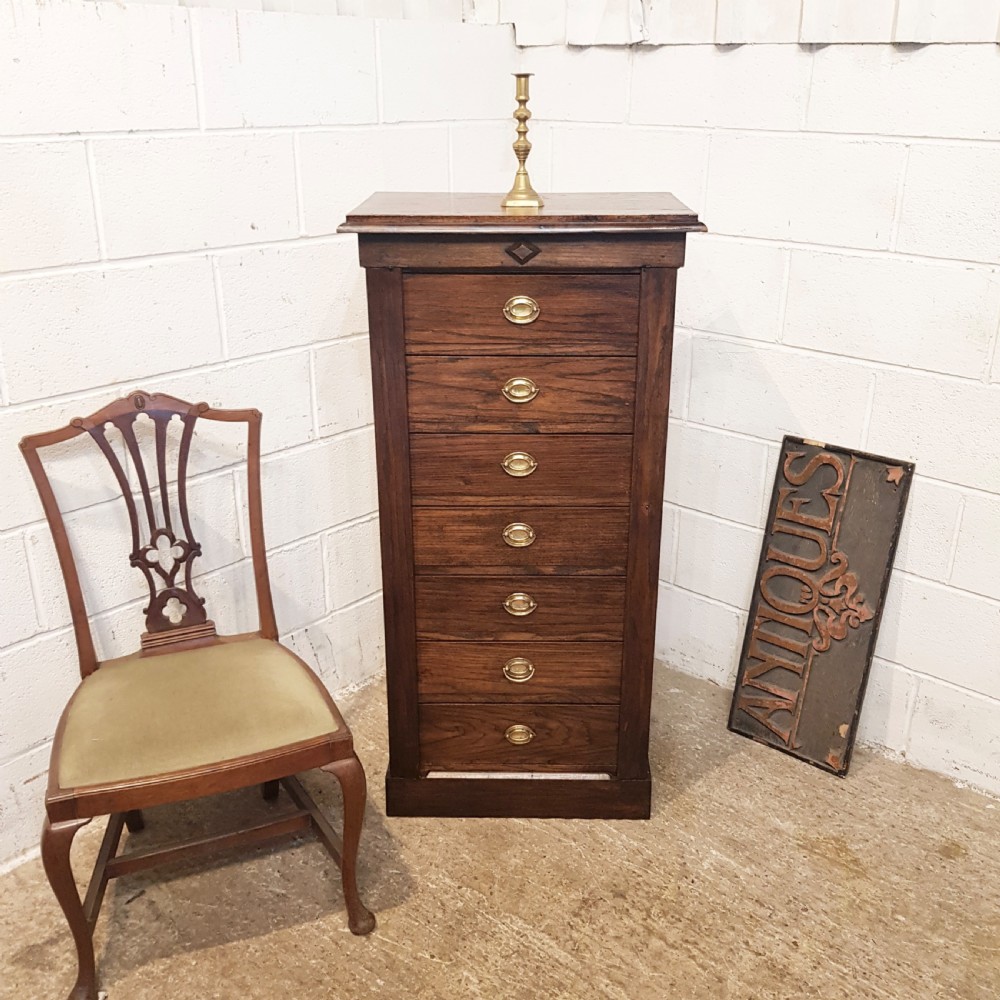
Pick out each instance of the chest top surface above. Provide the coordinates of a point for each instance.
(433, 212)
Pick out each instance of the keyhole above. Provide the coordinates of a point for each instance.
(174, 610)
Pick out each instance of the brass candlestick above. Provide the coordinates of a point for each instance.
(522, 194)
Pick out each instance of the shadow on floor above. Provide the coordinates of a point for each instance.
(235, 896)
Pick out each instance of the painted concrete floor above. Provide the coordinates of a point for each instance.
(758, 877)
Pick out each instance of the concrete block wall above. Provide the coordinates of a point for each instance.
(172, 180)
(848, 291)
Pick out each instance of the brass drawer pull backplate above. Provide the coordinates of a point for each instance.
(521, 309)
(519, 670)
(518, 464)
(519, 605)
(520, 390)
(519, 536)
(519, 735)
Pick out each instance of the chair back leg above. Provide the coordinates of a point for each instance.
(57, 839)
(354, 787)
(134, 821)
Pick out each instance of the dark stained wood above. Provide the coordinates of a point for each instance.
(473, 608)
(574, 394)
(832, 530)
(575, 469)
(564, 672)
(390, 211)
(100, 877)
(353, 785)
(602, 270)
(57, 839)
(656, 326)
(499, 251)
(564, 798)
(569, 541)
(134, 821)
(259, 833)
(457, 314)
(385, 320)
(471, 738)
(158, 522)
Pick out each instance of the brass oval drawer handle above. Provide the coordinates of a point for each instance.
(518, 535)
(519, 735)
(518, 464)
(519, 605)
(519, 670)
(520, 390)
(521, 309)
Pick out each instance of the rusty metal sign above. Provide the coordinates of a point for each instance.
(832, 530)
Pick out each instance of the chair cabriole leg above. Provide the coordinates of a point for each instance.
(353, 785)
(57, 839)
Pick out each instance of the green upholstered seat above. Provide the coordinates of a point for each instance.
(141, 716)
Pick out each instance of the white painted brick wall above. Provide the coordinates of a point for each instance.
(52, 222)
(739, 21)
(171, 184)
(936, 91)
(848, 291)
(828, 21)
(94, 67)
(893, 309)
(169, 308)
(175, 194)
(947, 21)
(804, 188)
(605, 22)
(680, 22)
(264, 69)
(754, 86)
(194, 191)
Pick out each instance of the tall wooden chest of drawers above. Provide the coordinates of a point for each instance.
(521, 374)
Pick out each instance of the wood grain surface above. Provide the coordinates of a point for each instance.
(462, 314)
(472, 608)
(501, 251)
(569, 541)
(471, 738)
(574, 394)
(433, 211)
(565, 672)
(574, 469)
(656, 337)
(385, 318)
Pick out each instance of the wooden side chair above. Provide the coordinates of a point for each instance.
(190, 713)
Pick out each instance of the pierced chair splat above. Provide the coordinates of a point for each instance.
(190, 713)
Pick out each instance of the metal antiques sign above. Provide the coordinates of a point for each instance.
(830, 539)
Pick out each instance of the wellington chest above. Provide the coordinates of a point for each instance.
(521, 374)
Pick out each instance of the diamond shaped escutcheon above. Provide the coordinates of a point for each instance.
(522, 252)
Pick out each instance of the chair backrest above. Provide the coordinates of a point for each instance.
(163, 545)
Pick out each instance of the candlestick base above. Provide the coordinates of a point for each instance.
(522, 194)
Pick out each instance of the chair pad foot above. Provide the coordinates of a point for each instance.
(364, 924)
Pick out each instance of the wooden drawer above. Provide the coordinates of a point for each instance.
(564, 672)
(469, 541)
(571, 394)
(471, 738)
(473, 608)
(463, 314)
(574, 469)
